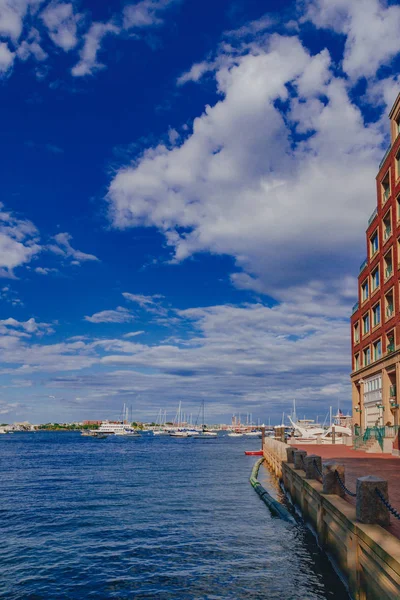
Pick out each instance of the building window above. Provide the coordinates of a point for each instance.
(356, 362)
(397, 164)
(374, 244)
(389, 304)
(388, 264)
(385, 188)
(356, 332)
(387, 226)
(376, 315)
(365, 290)
(377, 350)
(390, 345)
(365, 321)
(375, 279)
(366, 356)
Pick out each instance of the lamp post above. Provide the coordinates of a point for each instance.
(360, 403)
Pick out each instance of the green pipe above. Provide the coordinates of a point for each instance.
(274, 506)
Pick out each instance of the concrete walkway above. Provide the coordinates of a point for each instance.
(358, 464)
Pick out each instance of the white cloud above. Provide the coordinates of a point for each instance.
(62, 24)
(29, 327)
(12, 14)
(232, 357)
(31, 47)
(132, 334)
(18, 242)
(146, 13)
(143, 301)
(88, 63)
(63, 248)
(119, 315)
(289, 212)
(371, 28)
(45, 270)
(6, 58)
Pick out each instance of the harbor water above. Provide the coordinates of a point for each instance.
(149, 517)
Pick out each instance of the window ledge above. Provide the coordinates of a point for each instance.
(387, 199)
(375, 290)
(385, 240)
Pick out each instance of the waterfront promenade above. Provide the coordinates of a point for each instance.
(357, 464)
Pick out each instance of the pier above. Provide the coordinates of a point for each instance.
(334, 489)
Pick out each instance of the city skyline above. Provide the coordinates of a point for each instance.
(185, 192)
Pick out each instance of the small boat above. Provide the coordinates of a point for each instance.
(252, 433)
(235, 434)
(180, 434)
(254, 453)
(127, 432)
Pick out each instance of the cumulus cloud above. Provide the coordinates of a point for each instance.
(6, 58)
(12, 14)
(24, 328)
(287, 195)
(69, 30)
(31, 47)
(119, 315)
(371, 28)
(88, 62)
(62, 24)
(19, 242)
(63, 248)
(144, 14)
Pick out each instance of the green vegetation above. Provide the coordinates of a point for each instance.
(65, 427)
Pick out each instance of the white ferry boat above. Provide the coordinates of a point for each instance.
(115, 428)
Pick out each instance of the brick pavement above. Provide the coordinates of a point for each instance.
(358, 464)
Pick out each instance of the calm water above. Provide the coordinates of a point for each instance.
(154, 517)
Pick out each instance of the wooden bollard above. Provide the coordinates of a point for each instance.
(369, 507)
(298, 456)
(330, 481)
(309, 464)
(289, 454)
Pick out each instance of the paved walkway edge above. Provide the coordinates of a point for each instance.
(367, 556)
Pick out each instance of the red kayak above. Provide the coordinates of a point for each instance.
(254, 453)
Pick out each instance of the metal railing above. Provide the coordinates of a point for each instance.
(372, 217)
(385, 157)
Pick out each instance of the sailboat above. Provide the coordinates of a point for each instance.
(205, 434)
(160, 423)
(178, 431)
(126, 430)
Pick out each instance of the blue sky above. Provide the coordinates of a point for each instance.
(184, 194)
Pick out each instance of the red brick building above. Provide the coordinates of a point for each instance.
(375, 322)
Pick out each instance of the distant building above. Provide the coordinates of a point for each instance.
(91, 422)
(375, 322)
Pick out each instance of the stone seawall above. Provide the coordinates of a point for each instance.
(367, 556)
